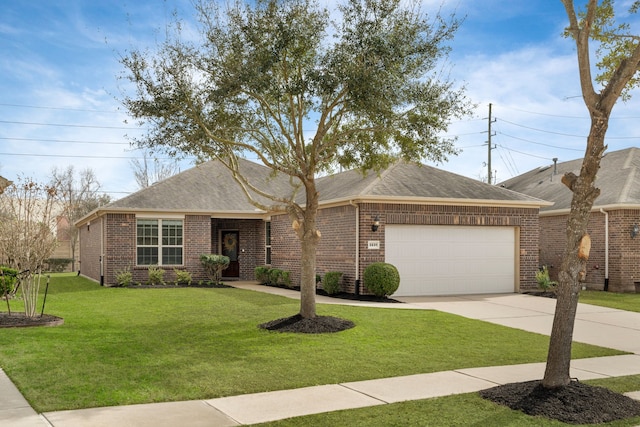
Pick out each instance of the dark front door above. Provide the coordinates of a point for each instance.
(229, 245)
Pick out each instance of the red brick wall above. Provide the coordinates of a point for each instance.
(120, 248)
(336, 250)
(624, 252)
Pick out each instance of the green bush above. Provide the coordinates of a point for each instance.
(8, 279)
(182, 276)
(124, 277)
(262, 274)
(275, 276)
(544, 282)
(58, 265)
(331, 282)
(156, 275)
(285, 278)
(382, 279)
(214, 265)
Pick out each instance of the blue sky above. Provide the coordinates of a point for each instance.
(60, 89)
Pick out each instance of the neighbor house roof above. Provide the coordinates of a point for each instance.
(209, 188)
(618, 180)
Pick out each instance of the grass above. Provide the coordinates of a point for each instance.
(125, 346)
(459, 410)
(628, 302)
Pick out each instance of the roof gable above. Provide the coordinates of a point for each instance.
(618, 180)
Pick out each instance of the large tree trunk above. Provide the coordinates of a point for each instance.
(309, 237)
(573, 269)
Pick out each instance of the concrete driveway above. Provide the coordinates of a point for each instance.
(606, 327)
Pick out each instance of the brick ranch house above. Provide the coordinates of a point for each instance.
(445, 233)
(614, 261)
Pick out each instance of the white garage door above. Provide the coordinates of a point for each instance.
(451, 260)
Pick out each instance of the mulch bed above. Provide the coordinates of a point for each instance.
(576, 403)
(19, 320)
(316, 325)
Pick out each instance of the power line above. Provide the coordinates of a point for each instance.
(67, 125)
(77, 156)
(540, 143)
(58, 108)
(65, 140)
(523, 153)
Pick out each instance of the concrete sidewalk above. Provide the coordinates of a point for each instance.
(595, 325)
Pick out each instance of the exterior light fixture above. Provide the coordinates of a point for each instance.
(376, 223)
(634, 231)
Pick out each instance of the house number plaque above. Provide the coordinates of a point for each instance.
(373, 244)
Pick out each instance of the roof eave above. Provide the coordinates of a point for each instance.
(529, 204)
(595, 208)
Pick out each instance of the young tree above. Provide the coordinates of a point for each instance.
(284, 81)
(149, 171)
(27, 222)
(76, 196)
(619, 53)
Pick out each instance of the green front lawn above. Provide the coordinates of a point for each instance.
(628, 302)
(124, 346)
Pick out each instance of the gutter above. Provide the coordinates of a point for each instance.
(606, 249)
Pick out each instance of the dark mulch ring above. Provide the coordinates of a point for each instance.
(316, 325)
(576, 403)
(19, 320)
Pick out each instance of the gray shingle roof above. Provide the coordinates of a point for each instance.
(618, 180)
(210, 188)
(412, 180)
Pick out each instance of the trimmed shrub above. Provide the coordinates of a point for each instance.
(331, 282)
(8, 279)
(124, 277)
(182, 276)
(156, 275)
(285, 278)
(262, 274)
(381, 278)
(213, 265)
(275, 276)
(58, 265)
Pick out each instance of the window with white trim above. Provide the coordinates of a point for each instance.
(159, 241)
(267, 235)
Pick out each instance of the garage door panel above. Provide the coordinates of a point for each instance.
(449, 260)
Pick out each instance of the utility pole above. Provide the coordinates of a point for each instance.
(489, 148)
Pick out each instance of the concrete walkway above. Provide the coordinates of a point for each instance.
(595, 325)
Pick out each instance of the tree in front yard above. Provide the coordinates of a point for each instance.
(618, 51)
(26, 234)
(303, 88)
(76, 195)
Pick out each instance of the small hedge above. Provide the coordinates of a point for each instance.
(262, 274)
(8, 279)
(382, 279)
(331, 282)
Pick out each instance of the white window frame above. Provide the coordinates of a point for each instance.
(160, 244)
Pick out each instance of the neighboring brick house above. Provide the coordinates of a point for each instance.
(614, 261)
(447, 234)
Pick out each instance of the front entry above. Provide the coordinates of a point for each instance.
(229, 245)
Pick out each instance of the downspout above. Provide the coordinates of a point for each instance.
(606, 249)
(103, 224)
(357, 275)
